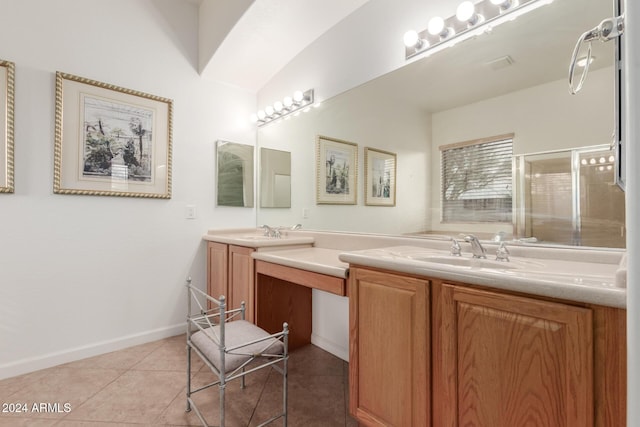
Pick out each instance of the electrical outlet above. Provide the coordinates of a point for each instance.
(190, 212)
(305, 213)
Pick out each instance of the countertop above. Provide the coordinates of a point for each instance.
(586, 282)
(255, 238)
(588, 276)
(318, 260)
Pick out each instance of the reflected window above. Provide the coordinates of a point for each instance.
(477, 180)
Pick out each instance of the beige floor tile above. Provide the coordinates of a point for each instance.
(311, 360)
(25, 422)
(170, 356)
(239, 406)
(313, 400)
(135, 397)
(60, 385)
(122, 359)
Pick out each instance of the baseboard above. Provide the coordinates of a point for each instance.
(57, 358)
(330, 346)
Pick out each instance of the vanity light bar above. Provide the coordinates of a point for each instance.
(470, 20)
(280, 109)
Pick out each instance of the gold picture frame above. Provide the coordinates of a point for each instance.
(7, 106)
(336, 171)
(111, 141)
(379, 177)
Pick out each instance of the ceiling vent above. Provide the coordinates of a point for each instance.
(499, 63)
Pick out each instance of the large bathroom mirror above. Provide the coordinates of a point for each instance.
(512, 81)
(235, 174)
(275, 178)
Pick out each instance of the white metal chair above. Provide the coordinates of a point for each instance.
(228, 344)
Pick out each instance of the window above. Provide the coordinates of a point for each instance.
(477, 180)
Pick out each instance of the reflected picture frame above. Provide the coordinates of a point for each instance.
(379, 177)
(7, 108)
(336, 171)
(111, 141)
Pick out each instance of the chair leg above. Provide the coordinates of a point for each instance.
(222, 387)
(188, 378)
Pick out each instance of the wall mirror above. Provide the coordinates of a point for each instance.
(511, 81)
(275, 178)
(235, 174)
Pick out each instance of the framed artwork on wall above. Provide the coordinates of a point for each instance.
(379, 177)
(7, 103)
(111, 141)
(336, 171)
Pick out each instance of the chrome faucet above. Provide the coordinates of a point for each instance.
(476, 247)
(297, 227)
(503, 253)
(271, 232)
(456, 250)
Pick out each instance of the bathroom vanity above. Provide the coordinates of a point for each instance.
(428, 351)
(445, 341)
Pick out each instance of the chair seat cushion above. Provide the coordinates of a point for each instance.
(236, 333)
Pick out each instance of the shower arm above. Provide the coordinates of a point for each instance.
(608, 29)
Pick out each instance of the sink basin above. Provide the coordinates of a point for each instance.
(466, 262)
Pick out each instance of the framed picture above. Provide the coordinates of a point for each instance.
(379, 177)
(336, 171)
(7, 88)
(111, 141)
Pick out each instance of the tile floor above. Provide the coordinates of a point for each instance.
(145, 385)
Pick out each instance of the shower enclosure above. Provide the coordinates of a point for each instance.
(569, 197)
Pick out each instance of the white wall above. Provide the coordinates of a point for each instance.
(365, 45)
(569, 122)
(80, 275)
(357, 116)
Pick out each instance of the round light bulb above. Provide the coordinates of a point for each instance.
(583, 161)
(287, 101)
(297, 96)
(592, 161)
(602, 160)
(435, 25)
(612, 159)
(254, 118)
(465, 11)
(411, 38)
(600, 168)
(269, 110)
(278, 106)
(609, 167)
(262, 115)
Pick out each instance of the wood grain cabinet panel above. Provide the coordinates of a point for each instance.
(389, 349)
(230, 272)
(512, 361)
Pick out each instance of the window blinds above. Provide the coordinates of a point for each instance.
(477, 180)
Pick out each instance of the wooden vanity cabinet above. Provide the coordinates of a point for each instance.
(426, 352)
(230, 272)
(389, 349)
(502, 360)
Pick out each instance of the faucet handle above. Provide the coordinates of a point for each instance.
(455, 248)
(502, 254)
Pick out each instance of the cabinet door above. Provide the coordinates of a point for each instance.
(503, 361)
(388, 349)
(241, 280)
(217, 260)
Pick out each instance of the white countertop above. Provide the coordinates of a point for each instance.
(587, 282)
(318, 260)
(254, 238)
(582, 275)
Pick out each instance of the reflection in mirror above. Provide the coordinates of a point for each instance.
(512, 81)
(275, 178)
(569, 197)
(235, 174)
